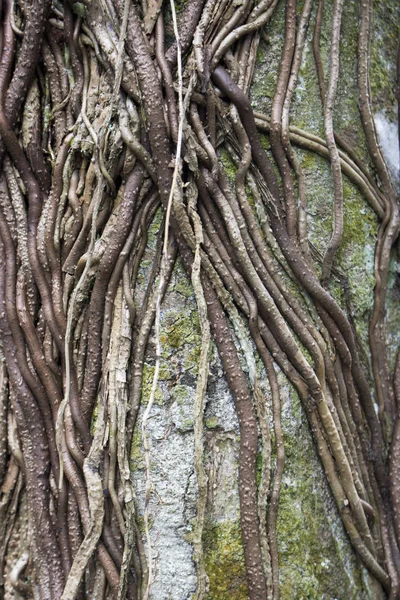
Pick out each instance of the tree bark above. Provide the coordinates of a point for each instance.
(171, 172)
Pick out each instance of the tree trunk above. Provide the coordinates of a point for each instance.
(199, 367)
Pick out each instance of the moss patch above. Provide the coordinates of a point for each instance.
(148, 376)
(137, 456)
(224, 561)
(180, 328)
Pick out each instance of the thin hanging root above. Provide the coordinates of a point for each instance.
(201, 387)
(337, 233)
(295, 163)
(113, 400)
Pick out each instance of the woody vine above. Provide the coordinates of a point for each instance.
(114, 110)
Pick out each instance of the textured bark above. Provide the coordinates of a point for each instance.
(144, 146)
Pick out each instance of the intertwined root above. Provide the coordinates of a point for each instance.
(110, 111)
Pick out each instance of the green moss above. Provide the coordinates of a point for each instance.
(154, 228)
(181, 393)
(182, 283)
(356, 256)
(174, 338)
(211, 422)
(319, 198)
(346, 115)
(179, 329)
(228, 164)
(224, 560)
(359, 221)
(146, 263)
(308, 162)
(148, 375)
(265, 144)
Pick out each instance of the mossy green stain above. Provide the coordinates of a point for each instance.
(211, 422)
(181, 393)
(229, 166)
(360, 222)
(182, 283)
(155, 228)
(182, 327)
(224, 561)
(148, 376)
